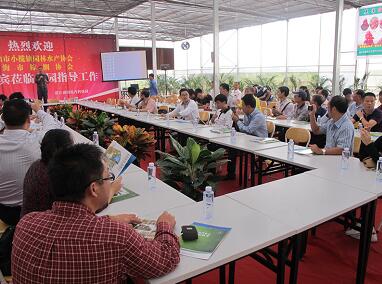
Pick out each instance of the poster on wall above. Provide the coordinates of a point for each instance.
(370, 31)
(72, 63)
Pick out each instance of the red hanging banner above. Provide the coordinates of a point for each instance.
(72, 63)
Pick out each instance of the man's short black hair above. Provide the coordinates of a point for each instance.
(318, 99)
(73, 169)
(284, 90)
(319, 88)
(221, 98)
(3, 97)
(325, 93)
(370, 94)
(360, 93)
(16, 95)
(183, 90)
(225, 86)
(16, 112)
(132, 90)
(249, 100)
(145, 92)
(380, 93)
(198, 91)
(151, 75)
(53, 141)
(347, 91)
(340, 103)
(191, 92)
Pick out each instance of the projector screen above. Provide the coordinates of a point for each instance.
(121, 66)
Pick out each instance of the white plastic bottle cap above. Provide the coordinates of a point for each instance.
(346, 149)
(208, 188)
(291, 140)
(95, 132)
(151, 164)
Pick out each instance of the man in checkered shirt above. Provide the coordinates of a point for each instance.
(70, 244)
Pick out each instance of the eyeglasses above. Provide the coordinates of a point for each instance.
(111, 178)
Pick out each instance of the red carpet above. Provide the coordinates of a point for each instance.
(331, 256)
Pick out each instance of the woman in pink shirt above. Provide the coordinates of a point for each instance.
(146, 103)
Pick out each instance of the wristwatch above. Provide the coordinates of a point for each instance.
(323, 151)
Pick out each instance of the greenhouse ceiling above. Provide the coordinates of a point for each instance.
(175, 19)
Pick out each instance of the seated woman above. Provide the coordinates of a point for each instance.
(132, 100)
(145, 104)
(36, 193)
(223, 115)
(187, 109)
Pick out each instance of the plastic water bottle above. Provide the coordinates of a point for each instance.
(345, 159)
(167, 119)
(233, 135)
(378, 170)
(62, 121)
(151, 175)
(290, 149)
(56, 116)
(48, 111)
(208, 200)
(195, 123)
(138, 112)
(360, 126)
(319, 120)
(95, 138)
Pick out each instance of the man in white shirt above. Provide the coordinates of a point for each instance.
(357, 104)
(223, 116)
(133, 98)
(285, 107)
(224, 90)
(19, 148)
(187, 109)
(236, 93)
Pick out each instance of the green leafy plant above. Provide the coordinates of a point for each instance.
(77, 117)
(295, 82)
(62, 110)
(317, 81)
(101, 123)
(173, 85)
(270, 81)
(191, 168)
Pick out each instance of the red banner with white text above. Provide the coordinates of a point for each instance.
(72, 63)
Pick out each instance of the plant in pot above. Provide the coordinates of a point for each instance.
(191, 168)
(62, 110)
(77, 117)
(136, 140)
(101, 123)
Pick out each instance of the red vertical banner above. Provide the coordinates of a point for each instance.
(72, 63)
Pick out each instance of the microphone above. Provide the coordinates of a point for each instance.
(138, 102)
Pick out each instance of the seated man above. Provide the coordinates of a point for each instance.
(146, 103)
(371, 149)
(236, 94)
(357, 104)
(187, 109)
(300, 111)
(223, 115)
(202, 99)
(380, 100)
(285, 106)
(133, 98)
(70, 244)
(254, 121)
(339, 130)
(325, 94)
(370, 117)
(19, 148)
(318, 100)
(348, 94)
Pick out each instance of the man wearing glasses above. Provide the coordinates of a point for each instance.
(70, 244)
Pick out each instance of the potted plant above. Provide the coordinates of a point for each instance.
(101, 123)
(136, 140)
(76, 118)
(192, 167)
(61, 110)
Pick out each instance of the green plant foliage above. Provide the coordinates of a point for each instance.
(173, 85)
(192, 167)
(100, 123)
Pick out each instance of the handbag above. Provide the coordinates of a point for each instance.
(369, 163)
(6, 250)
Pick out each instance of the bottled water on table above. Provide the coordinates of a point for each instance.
(56, 116)
(233, 135)
(95, 138)
(208, 202)
(151, 176)
(195, 122)
(319, 120)
(62, 121)
(378, 170)
(290, 149)
(345, 159)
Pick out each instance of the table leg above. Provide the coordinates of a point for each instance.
(245, 170)
(253, 164)
(189, 281)
(295, 259)
(281, 259)
(231, 274)
(260, 174)
(222, 274)
(163, 139)
(367, 223)
(240, 168)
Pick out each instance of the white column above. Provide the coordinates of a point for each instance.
(201, 53)
(216, 46)
(153, 38)
(237, 55)
(116, 31)
(337, 48)
(319, 50)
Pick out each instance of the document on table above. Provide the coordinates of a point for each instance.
(123, 194)
(303, 151)
(119, 159)
(264, 140)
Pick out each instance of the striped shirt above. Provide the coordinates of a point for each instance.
(254, 124)
(339, 133)
(353, 108)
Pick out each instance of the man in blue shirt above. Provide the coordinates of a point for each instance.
(339, 129)
(254, 121)
(153, 85)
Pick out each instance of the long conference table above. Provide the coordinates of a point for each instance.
(278, 212)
